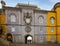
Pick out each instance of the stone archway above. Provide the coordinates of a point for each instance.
(9, 37)
(28, 39)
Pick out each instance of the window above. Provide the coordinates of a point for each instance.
(13, 18)
(52, 38)
(41, 28)
(41, 19)
(12, 29)
(52, 20)
(52, 29)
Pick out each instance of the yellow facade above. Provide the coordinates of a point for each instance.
(58, 22)
(2, 21)
(56, 25)
(49, 26)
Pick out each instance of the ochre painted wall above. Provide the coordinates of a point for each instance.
(58, 22)
(49, 26)
(2, 21)
(56, 25)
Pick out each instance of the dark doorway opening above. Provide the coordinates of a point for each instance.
(26, 40)
(9, 37)
(1, 30)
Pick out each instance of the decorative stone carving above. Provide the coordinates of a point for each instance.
(28, 29)
(27, 18)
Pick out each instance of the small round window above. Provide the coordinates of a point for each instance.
(52, 19)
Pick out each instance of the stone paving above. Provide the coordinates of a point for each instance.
(31, 45)
(6, 43)
(37, 44)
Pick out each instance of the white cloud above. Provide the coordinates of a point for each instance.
(54, 1)
(0, 5)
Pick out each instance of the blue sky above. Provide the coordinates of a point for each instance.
(43, 4)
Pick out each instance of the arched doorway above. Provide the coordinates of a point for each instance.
(9, 37)
(28, 39)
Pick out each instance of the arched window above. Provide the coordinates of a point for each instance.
(52, 19)
(41, 19)
(13, 18)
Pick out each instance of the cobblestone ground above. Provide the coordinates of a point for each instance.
(37, 44)
(6, 43)
(31, 45)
